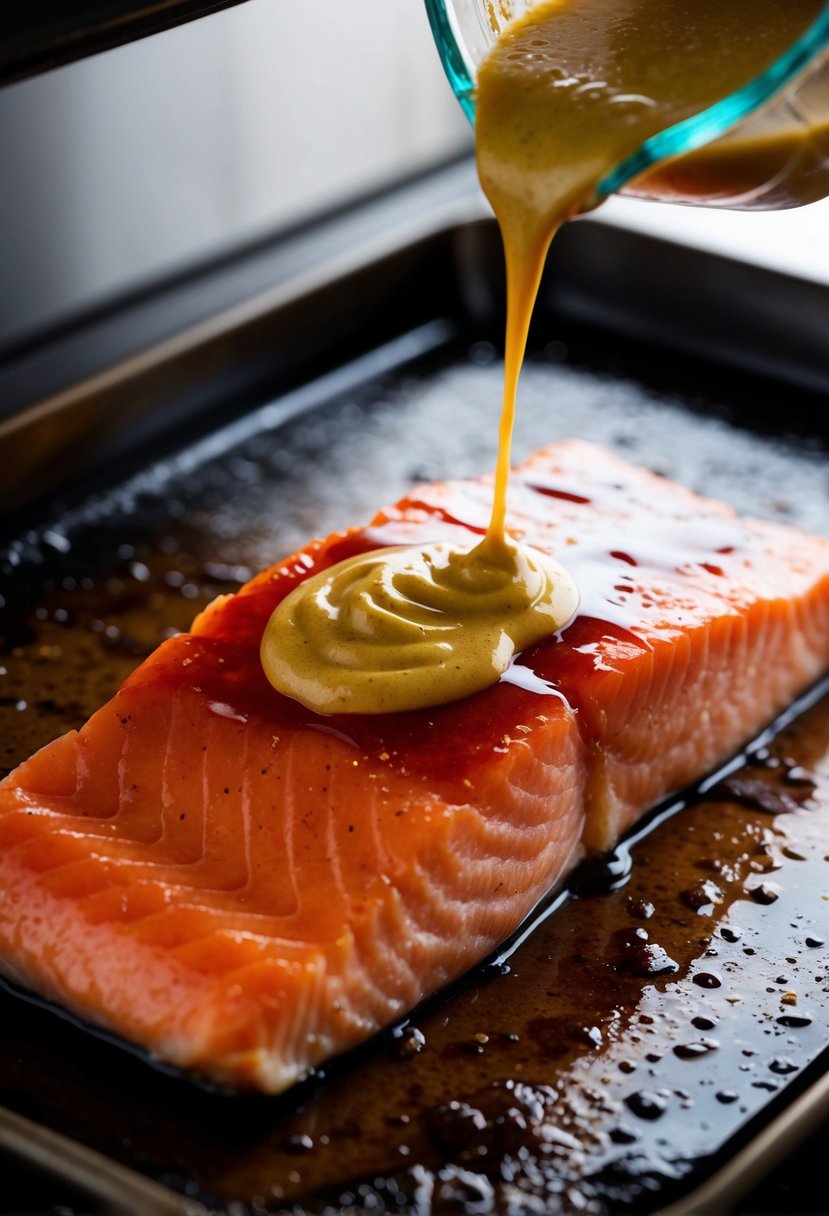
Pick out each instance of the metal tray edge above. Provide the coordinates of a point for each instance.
(753, 1162)
(122, 1190)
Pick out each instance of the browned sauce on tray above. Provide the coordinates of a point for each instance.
(629, 1036)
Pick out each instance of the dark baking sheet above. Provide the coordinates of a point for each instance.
(595, 1089)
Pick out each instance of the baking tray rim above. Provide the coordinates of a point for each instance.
(619, 288)
(123, 1188)
(126, 1191)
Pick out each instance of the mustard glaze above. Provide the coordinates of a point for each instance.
(567, 92)
(405, 628)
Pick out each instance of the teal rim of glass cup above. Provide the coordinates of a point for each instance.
(677, 140)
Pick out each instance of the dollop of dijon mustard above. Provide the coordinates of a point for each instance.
(405, 628)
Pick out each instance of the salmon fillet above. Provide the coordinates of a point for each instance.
(245, 888)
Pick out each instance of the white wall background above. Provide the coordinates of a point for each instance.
(132, 164)
(120, 167)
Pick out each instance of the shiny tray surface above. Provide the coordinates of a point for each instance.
(640, 1035)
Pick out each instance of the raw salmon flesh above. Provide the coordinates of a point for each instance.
(246, 889)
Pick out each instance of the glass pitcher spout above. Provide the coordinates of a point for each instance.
(763, 147)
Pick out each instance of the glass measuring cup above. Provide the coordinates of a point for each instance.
(764, 147)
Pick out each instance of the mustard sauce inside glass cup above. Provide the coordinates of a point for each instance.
(762, 147)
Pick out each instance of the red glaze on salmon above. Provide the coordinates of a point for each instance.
(245, 888)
